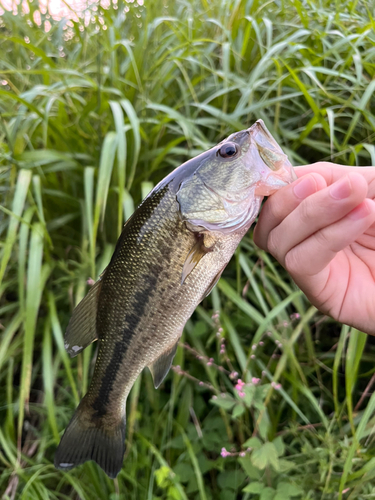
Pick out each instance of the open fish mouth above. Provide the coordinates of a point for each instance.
(276, 170)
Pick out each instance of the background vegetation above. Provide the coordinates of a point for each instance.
(94, 111)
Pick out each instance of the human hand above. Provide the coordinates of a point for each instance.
(321, 229)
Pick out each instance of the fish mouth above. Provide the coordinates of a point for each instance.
(268, 158)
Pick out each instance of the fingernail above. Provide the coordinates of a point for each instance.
(359, 212)
(341, 189)
(305, 187)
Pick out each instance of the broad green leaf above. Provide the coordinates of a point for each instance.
(225, 402)
(251, 471)
(253, 443)
(254, 487)
(279, 445)
(238, 410)
(288, 489)
(267, 494)
(266, 455)
(231, 479)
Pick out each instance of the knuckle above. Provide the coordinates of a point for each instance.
(278, 207)
(305, 212)
(292, 262)
(259, 238)
(273, 243)
(326, 241)
(273, 208)
(322, 239)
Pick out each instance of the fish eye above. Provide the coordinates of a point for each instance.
(228, 150)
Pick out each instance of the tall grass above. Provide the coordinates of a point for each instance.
(93, 114)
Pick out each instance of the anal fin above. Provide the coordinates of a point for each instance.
(161, 366)
(81, 330)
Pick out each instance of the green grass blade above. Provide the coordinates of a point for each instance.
(104, 178)
(36, 278)
(23, 182)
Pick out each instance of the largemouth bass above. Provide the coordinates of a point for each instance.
(170, 255)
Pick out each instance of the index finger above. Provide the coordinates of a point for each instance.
(333, 172)
(283, 202)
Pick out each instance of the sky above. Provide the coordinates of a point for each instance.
(58, 9)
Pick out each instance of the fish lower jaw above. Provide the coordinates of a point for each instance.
(272, 187)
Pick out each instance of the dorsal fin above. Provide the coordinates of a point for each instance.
(161, 366)
(81, 330)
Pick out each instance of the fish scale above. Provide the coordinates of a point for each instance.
(169, 256)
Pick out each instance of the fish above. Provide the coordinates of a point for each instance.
(169, 256)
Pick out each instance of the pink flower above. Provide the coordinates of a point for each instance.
(242, 454)
(90, 282)
(239, 386)
(224, 453)
(253, 347)
(255, 380)
(276, 386)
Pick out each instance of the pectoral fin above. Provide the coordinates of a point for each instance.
(213, 283)
(198, 251)
(162, 365)
(81, 330)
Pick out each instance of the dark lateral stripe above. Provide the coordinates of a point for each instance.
(139, 305)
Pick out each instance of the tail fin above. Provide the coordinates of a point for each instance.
(89, 439)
